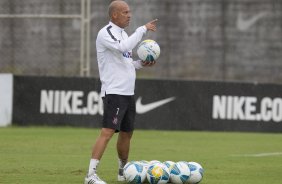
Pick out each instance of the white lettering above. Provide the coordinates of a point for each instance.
(219, 107)
(277, 110)
(56, 102)
(250, 108)
(91, 106)
(77, 102)
(265, 109)
(70, 102)
(46, 101)
(65, 102)
(229, 107)
(245, 108)
(238, 108)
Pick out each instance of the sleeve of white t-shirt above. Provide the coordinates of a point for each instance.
(126, 44)
(137, 64)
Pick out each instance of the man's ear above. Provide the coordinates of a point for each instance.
(114, 15)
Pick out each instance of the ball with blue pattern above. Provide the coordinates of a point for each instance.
(148, 50)
(179, 173)
(158, 173)
(197, 173)
(134, 172)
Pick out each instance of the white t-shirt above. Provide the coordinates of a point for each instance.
(114, 55)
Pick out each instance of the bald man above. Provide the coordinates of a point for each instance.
(117, 72)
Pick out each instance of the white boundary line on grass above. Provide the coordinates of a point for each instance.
(258, 154)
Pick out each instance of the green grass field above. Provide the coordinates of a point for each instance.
(48, 155)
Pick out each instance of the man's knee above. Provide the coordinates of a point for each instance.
(107, 133)
(125, 135)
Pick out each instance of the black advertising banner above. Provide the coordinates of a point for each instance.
(56, 101)
(211, 106)
(160, 104)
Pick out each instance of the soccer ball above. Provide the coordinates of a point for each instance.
(158, 173)
(197, 172)
(148, 50)
(154, 162)
(134, 172)
(179, 173)
(169, 164)
(144, 161)
(145, 164)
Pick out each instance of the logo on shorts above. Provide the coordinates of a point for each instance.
(115, 120)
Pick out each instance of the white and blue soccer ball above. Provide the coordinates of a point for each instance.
(134, 172)
(146, 165)
(197, 173)
(144, 161)
(169, 164)
(157, 173)
(179, 173)
(154, 162)
(148, 50)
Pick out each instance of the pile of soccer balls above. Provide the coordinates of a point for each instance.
(156, 172)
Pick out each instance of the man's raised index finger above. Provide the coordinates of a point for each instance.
(154, 21)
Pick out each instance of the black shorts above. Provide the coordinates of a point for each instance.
(119, 112)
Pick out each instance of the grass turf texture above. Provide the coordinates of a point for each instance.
(48, 155)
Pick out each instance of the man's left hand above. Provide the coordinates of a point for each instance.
(148, 63)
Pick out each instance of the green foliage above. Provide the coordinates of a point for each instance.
(45, 155)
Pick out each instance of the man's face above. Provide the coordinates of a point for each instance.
(123, 16)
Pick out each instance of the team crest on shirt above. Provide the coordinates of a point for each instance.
(127, 54)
